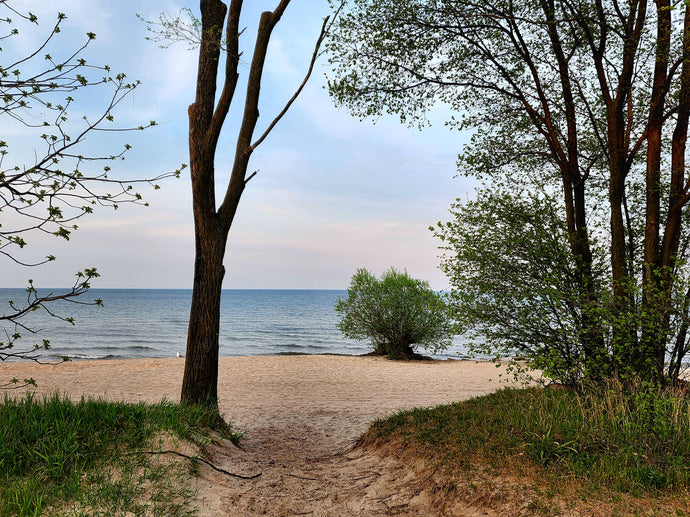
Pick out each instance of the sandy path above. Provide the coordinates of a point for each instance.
(301, 415)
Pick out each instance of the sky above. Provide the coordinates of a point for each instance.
(332, 193)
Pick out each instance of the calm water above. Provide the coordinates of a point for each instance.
(153, 323)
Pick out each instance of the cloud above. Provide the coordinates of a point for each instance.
(169, 74)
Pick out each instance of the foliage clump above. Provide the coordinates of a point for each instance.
(514, 282)
(397, 313)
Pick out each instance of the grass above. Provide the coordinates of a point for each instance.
(92, 457)
(605, 444)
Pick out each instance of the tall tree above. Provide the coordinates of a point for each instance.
(218, 31)
(49, 192)
(586, 91)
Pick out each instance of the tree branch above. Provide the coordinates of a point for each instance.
(325, 29)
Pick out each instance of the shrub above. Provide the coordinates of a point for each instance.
(397, 312)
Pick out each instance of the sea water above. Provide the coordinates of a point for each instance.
(137, 323)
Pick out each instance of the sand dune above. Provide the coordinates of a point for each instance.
(300, 414)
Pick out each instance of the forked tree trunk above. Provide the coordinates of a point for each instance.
(212, 223)
(200, 381)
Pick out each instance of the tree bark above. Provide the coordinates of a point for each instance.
(574, 188)
(678, 198)
(200, 381)
(211, 226)
(652, 321)
(616, 97)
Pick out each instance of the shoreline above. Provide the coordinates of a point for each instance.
(255, 390)
(57, 359)
(425, 358)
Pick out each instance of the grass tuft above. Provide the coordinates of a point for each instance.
(59, 457)
(637, 443)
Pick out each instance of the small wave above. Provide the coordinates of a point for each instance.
(138, 342)
(312, 346)
(281, 329)
(320, 342)
(292, 344)
(90, 357)
(132, 347)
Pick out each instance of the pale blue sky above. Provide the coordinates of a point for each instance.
(332, 193)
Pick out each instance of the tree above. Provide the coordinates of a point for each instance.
(398, 313)
(515, 289)
(50, 193)
(217, 31)
(593, 97)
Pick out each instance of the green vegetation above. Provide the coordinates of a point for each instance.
(397, 312)
(514, 282)
(635, 443)
(567, 104)
(58, 457)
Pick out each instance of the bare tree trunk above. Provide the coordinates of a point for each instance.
(212, 224)
(200, 381)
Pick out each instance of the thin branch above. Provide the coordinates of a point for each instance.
(250, 177)
(325, 29)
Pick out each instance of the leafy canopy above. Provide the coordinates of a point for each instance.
(576, 250)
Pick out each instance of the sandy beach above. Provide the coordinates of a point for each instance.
(301, 415)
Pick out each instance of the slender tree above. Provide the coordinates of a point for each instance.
(219, 32)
